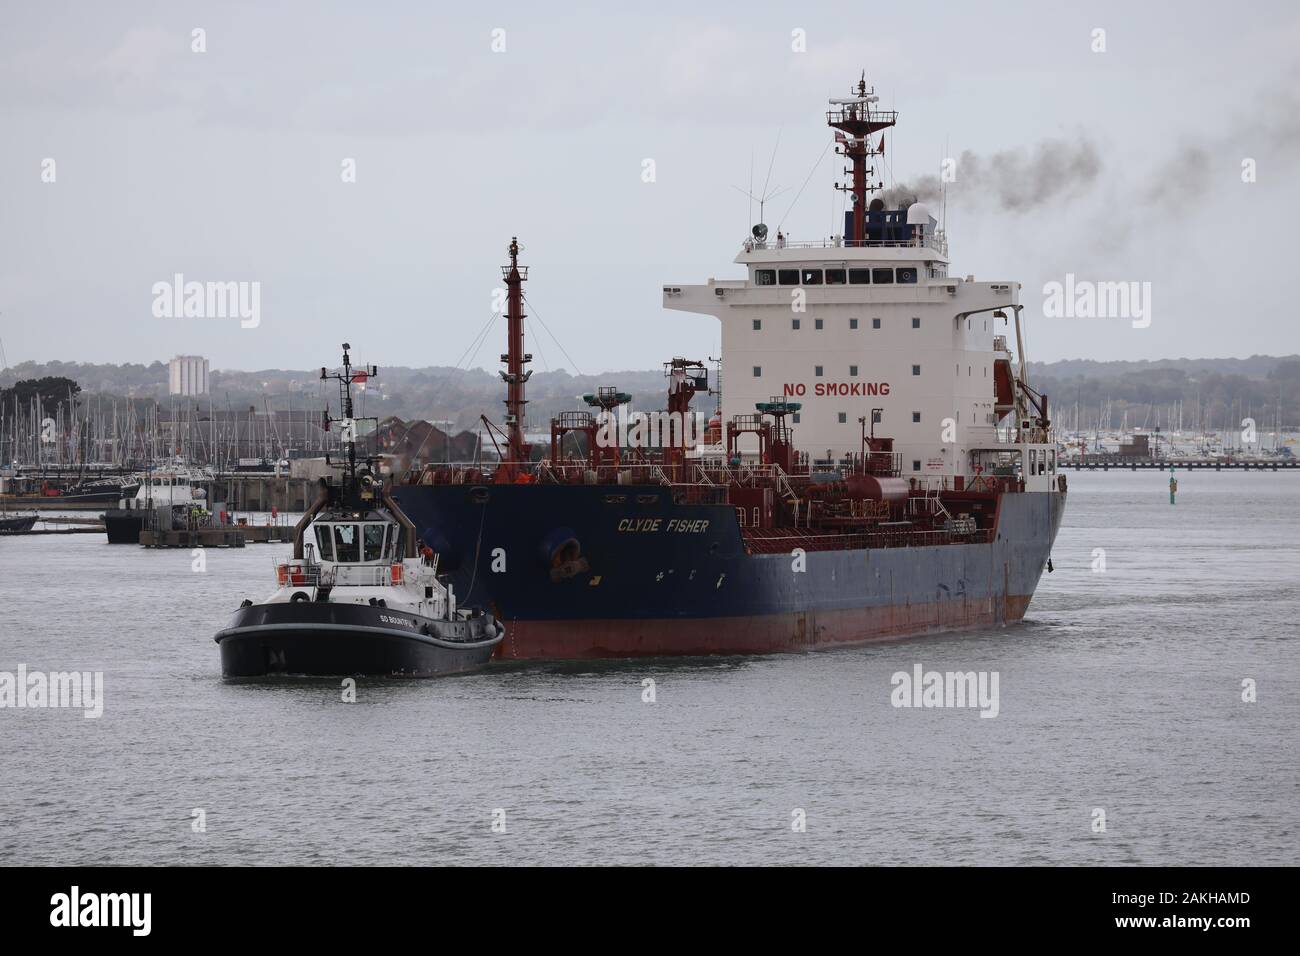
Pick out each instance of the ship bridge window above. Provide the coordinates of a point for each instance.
(374, 541)
(882, 276)
(859, 277)
(907, 275)
(347, 543)
(812, 276)
(835, 276)
(765, 277)
(324, 545)
(788, 276)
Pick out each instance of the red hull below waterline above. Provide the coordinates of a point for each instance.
(767, 634)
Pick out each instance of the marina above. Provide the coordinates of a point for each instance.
(1184, 464)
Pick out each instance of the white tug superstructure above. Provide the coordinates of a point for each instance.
(867, 331)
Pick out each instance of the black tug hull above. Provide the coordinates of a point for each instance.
(323, 639)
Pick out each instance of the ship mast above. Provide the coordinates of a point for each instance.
(346, 379)
(856, 121)
(517, 450)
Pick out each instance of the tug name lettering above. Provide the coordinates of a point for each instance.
(679, 525)
(799, 389)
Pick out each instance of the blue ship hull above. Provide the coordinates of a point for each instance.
(579, 571)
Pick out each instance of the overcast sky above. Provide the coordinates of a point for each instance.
(226, 165)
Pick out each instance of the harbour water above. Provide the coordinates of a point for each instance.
(1121, 692)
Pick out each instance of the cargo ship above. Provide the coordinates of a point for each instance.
(879, 465)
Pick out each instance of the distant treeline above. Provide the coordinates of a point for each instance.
(1216, 393)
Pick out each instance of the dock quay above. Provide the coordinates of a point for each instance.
(240, 491)
(222, 536)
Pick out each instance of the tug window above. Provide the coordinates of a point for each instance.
(817, 371)
(764, 277)
(859, 277)
(835, 277)
(374, 535)
(843, 417)
(788, 276)
(758, 325)
(347, 543)
(758, 371)
(916, 322)
(875, 323)
(907, 275)
(853, 371)
(324, 546)
(818, 324)
(882, 276)
(812, 276)
(853, 323)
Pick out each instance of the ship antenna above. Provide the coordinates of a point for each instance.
(856, 119)
(351, 435)
(349, 420)
(515, 375)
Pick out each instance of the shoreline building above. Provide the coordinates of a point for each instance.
(187, 375)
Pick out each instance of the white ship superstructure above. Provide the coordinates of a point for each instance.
(867, 330)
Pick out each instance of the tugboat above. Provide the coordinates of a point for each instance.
(361, 595)
(163, 499)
